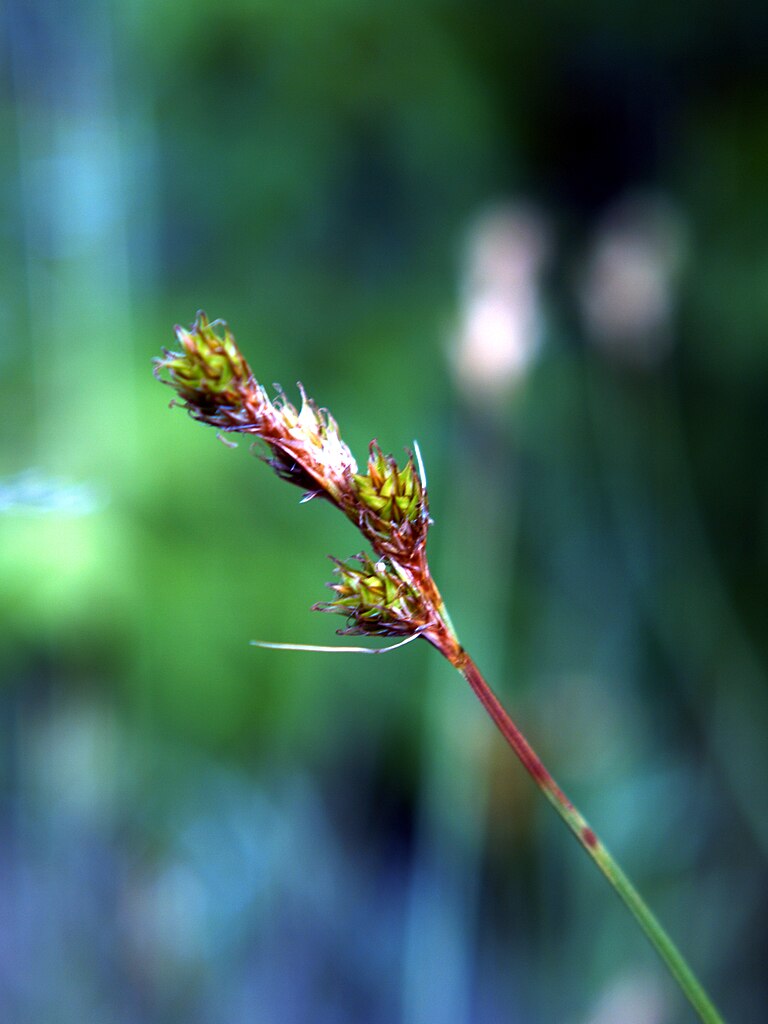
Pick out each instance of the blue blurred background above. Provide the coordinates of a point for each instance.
(534, 237)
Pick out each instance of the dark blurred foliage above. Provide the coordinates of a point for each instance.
(533, 236)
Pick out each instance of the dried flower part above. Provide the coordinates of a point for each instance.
(393, 503)
(375, 599)
(307, 443)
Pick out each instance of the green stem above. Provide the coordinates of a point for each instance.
(666, 949)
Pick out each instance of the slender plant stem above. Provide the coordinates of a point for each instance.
(666, 949)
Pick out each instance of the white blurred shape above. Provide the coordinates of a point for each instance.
(631, 999)
(75, 192)
(501, 325)
(627, 290)
(163, 918)
(33, 493)
(74, 757)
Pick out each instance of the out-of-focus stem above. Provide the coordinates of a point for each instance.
(585, 835)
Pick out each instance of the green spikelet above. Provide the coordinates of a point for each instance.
(375, 599)
(210, 371)
(391, 495)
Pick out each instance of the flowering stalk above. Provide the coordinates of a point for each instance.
(393, 594)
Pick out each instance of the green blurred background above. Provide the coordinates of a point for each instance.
(534, 237)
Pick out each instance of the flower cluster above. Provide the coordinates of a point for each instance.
(393, 504)
(391, 596)
(375, 599)
(210, 376)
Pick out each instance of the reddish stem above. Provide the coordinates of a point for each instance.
(525, 752)
(445, 641)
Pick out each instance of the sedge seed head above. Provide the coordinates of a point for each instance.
(375, 600)
(210, 372)
(393, 500)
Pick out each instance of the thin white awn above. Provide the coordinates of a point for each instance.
(335, 650)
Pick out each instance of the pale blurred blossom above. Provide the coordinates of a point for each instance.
(501, 324)
(628, 287)
(631, 999)
(32, 493)
(162, 917)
